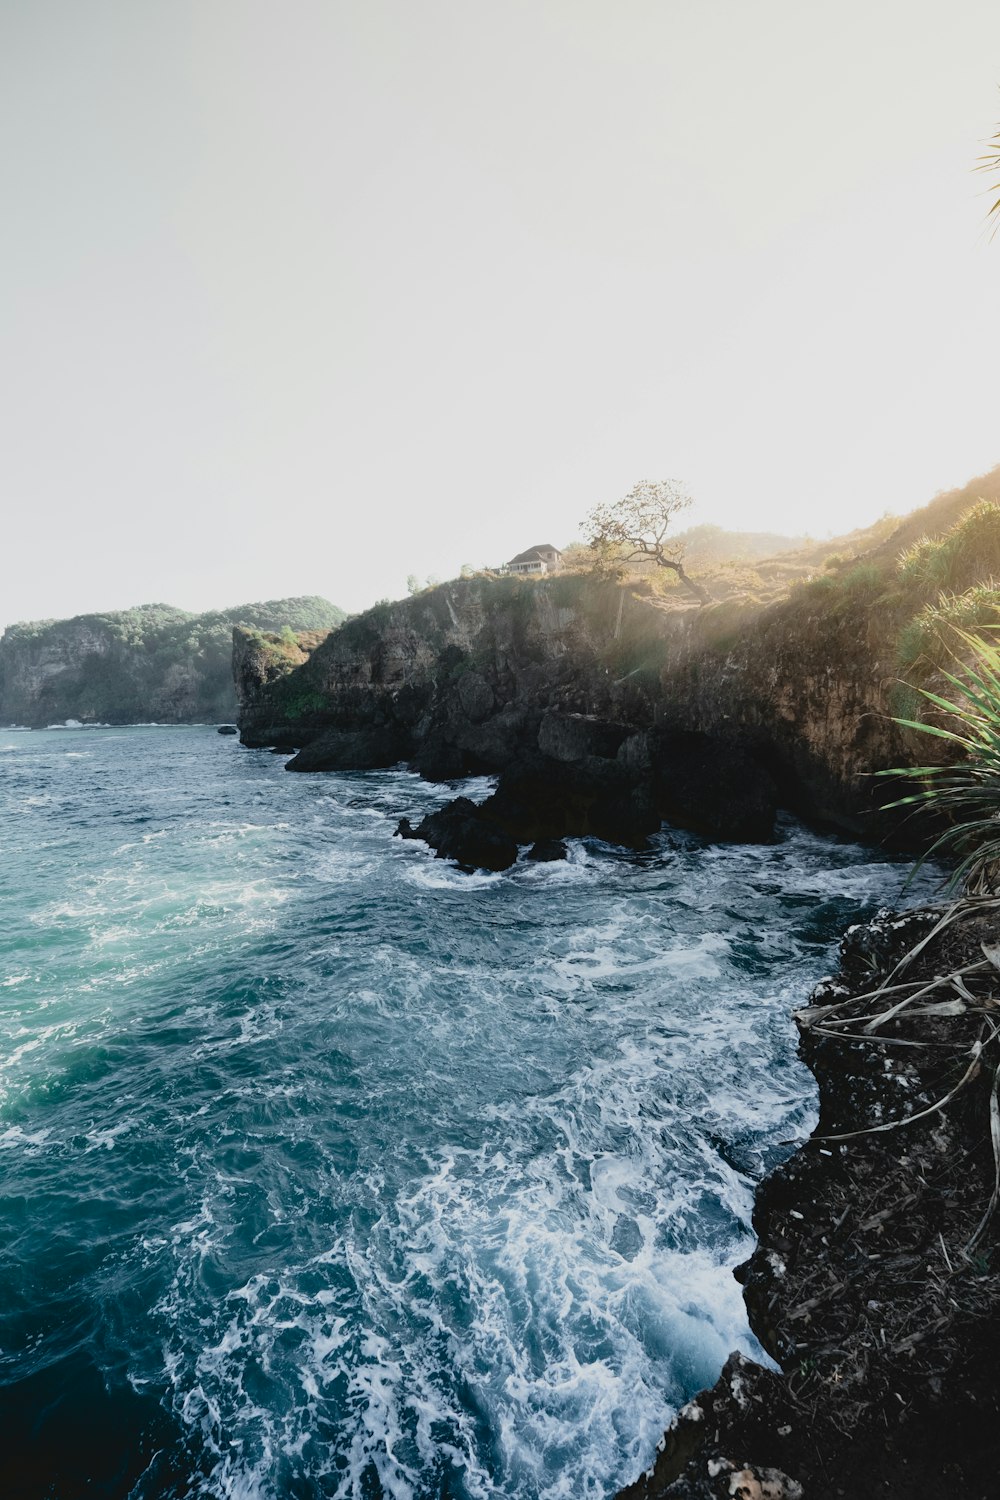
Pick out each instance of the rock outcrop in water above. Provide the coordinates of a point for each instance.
(712, 788)
(151, 664)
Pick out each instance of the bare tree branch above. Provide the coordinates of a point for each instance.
(641, 521)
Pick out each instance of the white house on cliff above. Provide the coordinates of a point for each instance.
(545, 559)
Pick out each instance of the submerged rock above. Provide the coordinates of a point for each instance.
(227, 729)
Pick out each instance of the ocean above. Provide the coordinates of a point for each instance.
(328, 1170)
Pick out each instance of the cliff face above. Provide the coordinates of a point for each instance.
(465, 677)
(467, 669)
(810, 688)
(152, 663)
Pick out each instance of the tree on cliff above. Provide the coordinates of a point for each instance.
(637, 526)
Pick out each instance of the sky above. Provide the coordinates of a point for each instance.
(307, 297)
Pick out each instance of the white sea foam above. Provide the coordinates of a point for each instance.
(342, 867)
(576, 869)
(695, 959)
(15, 1137)
(442, 875)
(106, 1139)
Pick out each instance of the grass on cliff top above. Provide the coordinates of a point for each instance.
(950, 544)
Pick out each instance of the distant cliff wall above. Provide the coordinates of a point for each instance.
(154, 663)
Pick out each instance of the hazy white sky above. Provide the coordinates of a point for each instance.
(302, 297)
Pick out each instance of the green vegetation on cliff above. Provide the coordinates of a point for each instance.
(153, 662)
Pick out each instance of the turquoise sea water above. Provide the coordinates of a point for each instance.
(326, 1170)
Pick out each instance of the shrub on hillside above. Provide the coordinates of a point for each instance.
(967, 554)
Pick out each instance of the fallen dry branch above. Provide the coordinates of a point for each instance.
(920, 1114)
(995, 1142)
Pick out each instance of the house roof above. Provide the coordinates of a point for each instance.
(535, 554)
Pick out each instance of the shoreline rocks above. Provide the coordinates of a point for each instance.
(460, 832)
(862, 1286)
(713, 789)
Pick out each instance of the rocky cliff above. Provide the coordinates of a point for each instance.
(465, 671)
(874, 1284)
(471, 675)
(153, 663)
(467, 677)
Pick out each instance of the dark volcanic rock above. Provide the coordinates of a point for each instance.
(699, 783)
(475, 697)
(460, 831)
(440, 760)
(573, 737)
(873, 947)
(495, 742)
(539, 798)
(352, 750)
(709, 1441)
(869, 1284)
(547, 850)
(714, 788)
(227, 729)
(274, 737)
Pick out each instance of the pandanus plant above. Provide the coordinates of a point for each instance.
(966, 791)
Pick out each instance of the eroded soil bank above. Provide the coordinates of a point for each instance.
(876, 1281)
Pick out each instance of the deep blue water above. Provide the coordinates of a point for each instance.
(330, 1171)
